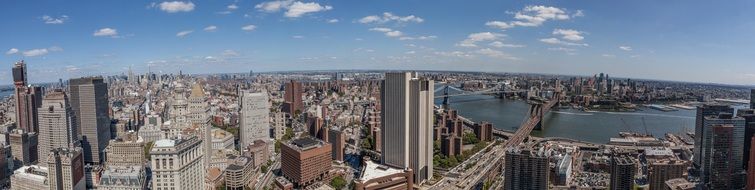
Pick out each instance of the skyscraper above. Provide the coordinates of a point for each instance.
(89, 100)
(723, 170)
(752, 98)
(254, 117)
(701, 132)
(719, 129)
(293, 102)
(407, 119)
(751, 165)
(57, 126)
(622, 170)
(28, 99)
(305, 160)
(338, 141)
(197, 105)
(525, 169)
(24, 148)
(66, 169)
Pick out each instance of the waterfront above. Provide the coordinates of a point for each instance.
(597, 127)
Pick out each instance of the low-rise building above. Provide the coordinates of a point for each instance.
(123, 178)
(239, 173)
(126, 150)
(305, 160)
(374, 176)
(32, 177)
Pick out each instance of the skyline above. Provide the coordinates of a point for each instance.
(681, 41)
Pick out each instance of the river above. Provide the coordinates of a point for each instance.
(596, 127)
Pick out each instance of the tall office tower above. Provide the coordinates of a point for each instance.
(126, 150)
(316, 126)
(24, 147)
(177, 164)
(57, 124)
(751, 165)
(622, 169)
(752, 98)
(407, 123)
(723, 169)
(701, 132)
(337, 138)
(28, 99)
(197, 105)
(305, 160)
(525, 168)
(66, 169)
(31, 177)
(254, 117)
(89, 100)
(293, 101)
(749, 116)
(6, 161)
(708, 158)
(662, 170)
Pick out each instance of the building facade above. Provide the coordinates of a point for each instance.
(123, 178)
(177, 164)
(525, 169)
(66, 169)
(126, 150)
(305, 160)
(239, 173)
(407, 120)
(89, 102)
(254, 117)
(293, 98)
(32, 177)
(623, 169)
(24, 148)
(57, 124)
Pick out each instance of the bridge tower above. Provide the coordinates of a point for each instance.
(446, 103)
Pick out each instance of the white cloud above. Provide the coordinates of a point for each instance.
(232, 7)
(249, 27)
(411, 52)
(499, 24)
(297, 37)
(625, 48)
(532, 16)
(273, 6)
(298, 9)
(418, 38)
(388, 32)
(184, 33)
(500, 44)
(556, 41)
(473, 38)
(210, 28)
(494, 53)
(569, 34)
(176, 6)
(388, 17)
(567, 50)
(454, 54)
(294, 9)
(608, 55)
(36, 52)
(106, 32)
(11, 51)
(394, 33)
(53, 20)
(230, 53)
(333, 21)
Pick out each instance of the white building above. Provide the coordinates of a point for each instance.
(221, 139)
(254, 117)
(30, 177)
(57, 124)
(407, 123)
(177, 164)
(123, 178)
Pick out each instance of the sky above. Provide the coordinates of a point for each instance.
(690, 40)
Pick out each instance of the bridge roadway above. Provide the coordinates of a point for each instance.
(491, 90)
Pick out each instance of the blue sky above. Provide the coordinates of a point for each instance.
(699, 41)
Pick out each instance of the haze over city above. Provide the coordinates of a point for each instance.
(666, 40)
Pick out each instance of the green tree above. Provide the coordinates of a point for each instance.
(470, 138)
(338, 182)
(277, 146)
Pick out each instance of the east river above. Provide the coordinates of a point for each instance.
(596, 127)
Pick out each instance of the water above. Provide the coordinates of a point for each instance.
(5, 94)
(596, 127)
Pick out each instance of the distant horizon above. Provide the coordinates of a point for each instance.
(385, 70)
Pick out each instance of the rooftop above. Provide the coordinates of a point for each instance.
(372, 170)
(306, 143)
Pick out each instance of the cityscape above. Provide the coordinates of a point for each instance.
(392, 100)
